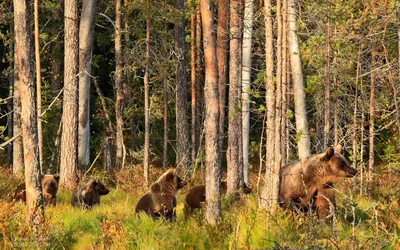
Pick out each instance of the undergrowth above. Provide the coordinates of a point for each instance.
(361, 222)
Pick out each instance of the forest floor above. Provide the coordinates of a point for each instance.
(363, 221)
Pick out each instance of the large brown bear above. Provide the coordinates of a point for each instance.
(160, 201)
(325, 202)
(88, 195)
(196, 196)
(50, 184)
(304, 182)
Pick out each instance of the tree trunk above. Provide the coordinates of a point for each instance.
(222, 57)
(146, 99)
(34, 197)
(107, 155)
(355, 111)
(371, 161)
(195, 143)
(327, 86)
(298, 84)
(182, 127)
(246, 84)
(18, 150)
(69, 138)
(234, 165)
(284, 106)
(213, 167)
(86, 35)
(10, 102)
(199, 79)
(38, 83)
(119, 91)
(266, 195)
(165, 145)
(56, 79)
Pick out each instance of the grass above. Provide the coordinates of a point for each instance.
(361, 222)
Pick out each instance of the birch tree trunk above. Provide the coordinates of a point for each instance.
(213, 167)
(146, 99)
(284, 106)
(182, 127)
(119, 90)
(69, 137)
(327, 107)
(265, 199)
(234, 163)
(38, 83)
(298, 84)
(222, 57)
(34, 197)
(86, 35)
(246, 84)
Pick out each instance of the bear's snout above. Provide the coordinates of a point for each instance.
(351, 172)
(181, 184)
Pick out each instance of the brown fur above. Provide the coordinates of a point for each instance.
(49, 187)
(325, 202)
(196, 196)
(160, 201)
(300, 181)
(88, 195)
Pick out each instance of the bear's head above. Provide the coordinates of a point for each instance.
(97, 187)
(169, 182)
(337, 165)
(50, 183)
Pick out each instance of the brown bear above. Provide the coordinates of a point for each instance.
(325, 202)
(50, 184)
(300, 181)
(197, 196)
(88, 195)
(160, 201)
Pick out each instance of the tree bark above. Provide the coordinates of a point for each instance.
(298, 84)
(371, 161)
(234, 163)
(266, 195)
(222, 57)
(284, 122)
(327, 107)
(119, 90)
(195, 143)
(69, 137)
(34, 197)
(86, 35)
(165, 145)
(355, 111)
(213, 167)
(146, 99)
(246, 84)
(38, 83)
(182, 127)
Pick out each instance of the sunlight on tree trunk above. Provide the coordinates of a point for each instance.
(146, 99)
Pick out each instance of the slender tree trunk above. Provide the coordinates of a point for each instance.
(213, 167)
(38, 83)
(246, 84)
(69, 138)
(56, 79)
(10, 102)
(199, 80)
(34, 197)
(146, 99)
(327, 86)
(298, 84)
(278, 109)
(107, 155)
(86, 35)
(355, 111)
(284, 122)
(371, 161)
(335, 104)
(165, 145)
(266, 195)
(182, 127)
(195, 143)
(222, 57)
(234, 165)
(119, 90)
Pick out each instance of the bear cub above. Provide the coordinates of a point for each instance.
(310, 182)
(50, 185)
(88, 195)
(160, 201)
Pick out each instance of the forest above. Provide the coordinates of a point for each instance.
(200, 124)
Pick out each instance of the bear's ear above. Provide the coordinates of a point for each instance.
(328, 154)
(170, 175)
(339, 149)
(56, 177)
(155, 188)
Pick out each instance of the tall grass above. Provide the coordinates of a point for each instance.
(361, 222)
